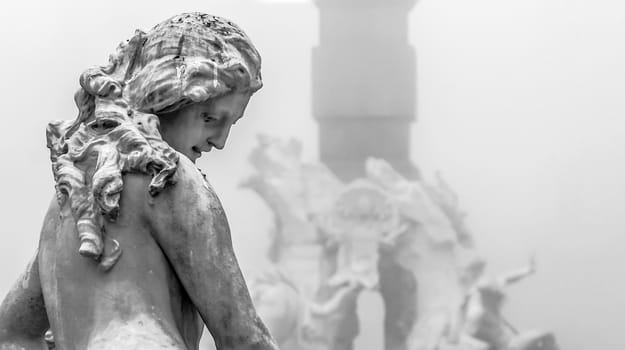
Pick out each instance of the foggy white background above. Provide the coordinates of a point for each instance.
(520, 106)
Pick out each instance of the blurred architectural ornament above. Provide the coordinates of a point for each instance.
(405, 238)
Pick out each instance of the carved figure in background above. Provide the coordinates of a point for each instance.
(352, 229)
(295, 191)
(428, 253)
(481, 323)
(482, 308)
(135, 252)
(447, 200)
(281, 305)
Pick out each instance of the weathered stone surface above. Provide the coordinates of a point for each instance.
(124, 185)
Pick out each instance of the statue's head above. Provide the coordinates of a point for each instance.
(179, 86)
(197, 73)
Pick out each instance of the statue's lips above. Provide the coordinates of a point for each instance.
(202, 149)
(197, 152)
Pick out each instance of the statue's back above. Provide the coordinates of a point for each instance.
(140, 302)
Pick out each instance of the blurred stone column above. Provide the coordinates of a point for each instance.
(364, 99)
(364, 84)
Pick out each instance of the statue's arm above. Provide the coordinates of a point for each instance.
(23, 318)
(190, 226)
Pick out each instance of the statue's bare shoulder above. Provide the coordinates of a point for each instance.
(188, 201)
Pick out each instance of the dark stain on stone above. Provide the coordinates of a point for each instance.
(180, 44)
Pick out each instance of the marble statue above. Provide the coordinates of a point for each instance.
(135, 250)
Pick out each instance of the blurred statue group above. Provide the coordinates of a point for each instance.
(403, 239)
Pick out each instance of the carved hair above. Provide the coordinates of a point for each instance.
(186, 59)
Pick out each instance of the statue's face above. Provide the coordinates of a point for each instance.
(199, 127)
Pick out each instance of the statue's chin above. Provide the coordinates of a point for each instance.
(192, 155)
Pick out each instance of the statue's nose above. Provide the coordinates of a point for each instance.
(220, 141)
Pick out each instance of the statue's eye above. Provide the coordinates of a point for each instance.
(208, 118)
